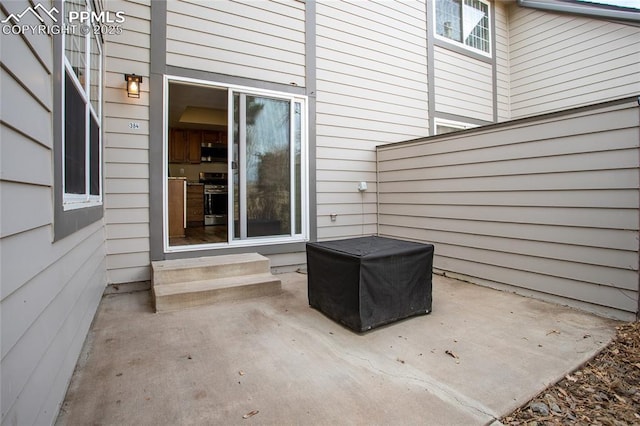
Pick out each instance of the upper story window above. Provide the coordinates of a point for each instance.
(82, 97)
(465, 22)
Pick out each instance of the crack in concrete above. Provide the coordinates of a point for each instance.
(436, 388)
(443, 392)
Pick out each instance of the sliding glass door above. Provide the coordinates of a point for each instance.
(266, 167)
(241, 157)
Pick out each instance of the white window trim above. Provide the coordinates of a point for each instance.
(80, 201)
(451, 123)
(488, 54)
(304, 178)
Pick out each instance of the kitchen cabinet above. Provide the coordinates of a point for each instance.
(214, 138)
(177, 206)
(193, 148)
(184, 146)
(178, 141)
(214, 147)
(195, 205)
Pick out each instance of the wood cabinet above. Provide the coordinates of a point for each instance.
(177, 146)
(214, 138)
(214, 146)
(195, 205)
(176, 208)
(184, 146)
(193, 148)
(189, 146)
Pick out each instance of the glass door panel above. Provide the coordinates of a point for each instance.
(262, 172)
(297, 161)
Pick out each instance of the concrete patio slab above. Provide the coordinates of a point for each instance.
(274, 360)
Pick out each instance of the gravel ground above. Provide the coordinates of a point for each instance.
(604, 391)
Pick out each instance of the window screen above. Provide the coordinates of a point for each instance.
(74, 139)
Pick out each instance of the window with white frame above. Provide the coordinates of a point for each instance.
(465, 22)
(82, 98)
(448, 126)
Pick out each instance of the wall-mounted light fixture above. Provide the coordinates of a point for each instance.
(133, 85)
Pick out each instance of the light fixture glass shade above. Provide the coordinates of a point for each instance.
(133, 85)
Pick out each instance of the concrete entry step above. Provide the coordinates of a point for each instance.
(197, 269)
(172, 297)
(185, 283)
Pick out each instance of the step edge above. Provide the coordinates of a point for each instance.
(214, 284)
(171, 302)
(170, 276)
(207, 261)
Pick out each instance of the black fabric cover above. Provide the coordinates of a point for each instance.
(370, 281)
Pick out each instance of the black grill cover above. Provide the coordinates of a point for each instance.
(370, 281)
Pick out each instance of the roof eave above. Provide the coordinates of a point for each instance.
(595, 11)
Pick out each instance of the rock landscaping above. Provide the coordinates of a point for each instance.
(605, 391)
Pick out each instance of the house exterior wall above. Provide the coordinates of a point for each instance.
(257, 45)
(546, 207)
(126, 150)
(51, 286)
(503, 63)
(227, 42)
(371, 83)
(376, 77)
(463, 85)
(371, 90)
(560, 61)
(257, 40)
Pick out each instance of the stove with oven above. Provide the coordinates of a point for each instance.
(215, 197)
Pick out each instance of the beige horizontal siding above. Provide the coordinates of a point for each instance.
(39, 112)
(503, 64)
(563, 61)
(41, 291)
(126, 150)
(24, 215)
(546, 206)
(128, 230)
(130, 273)
(129, 267)
(49, 290)
(371, 89)
(539, 130)
(260, 40)
(59, 304)
(463, 85)
(38, 154)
